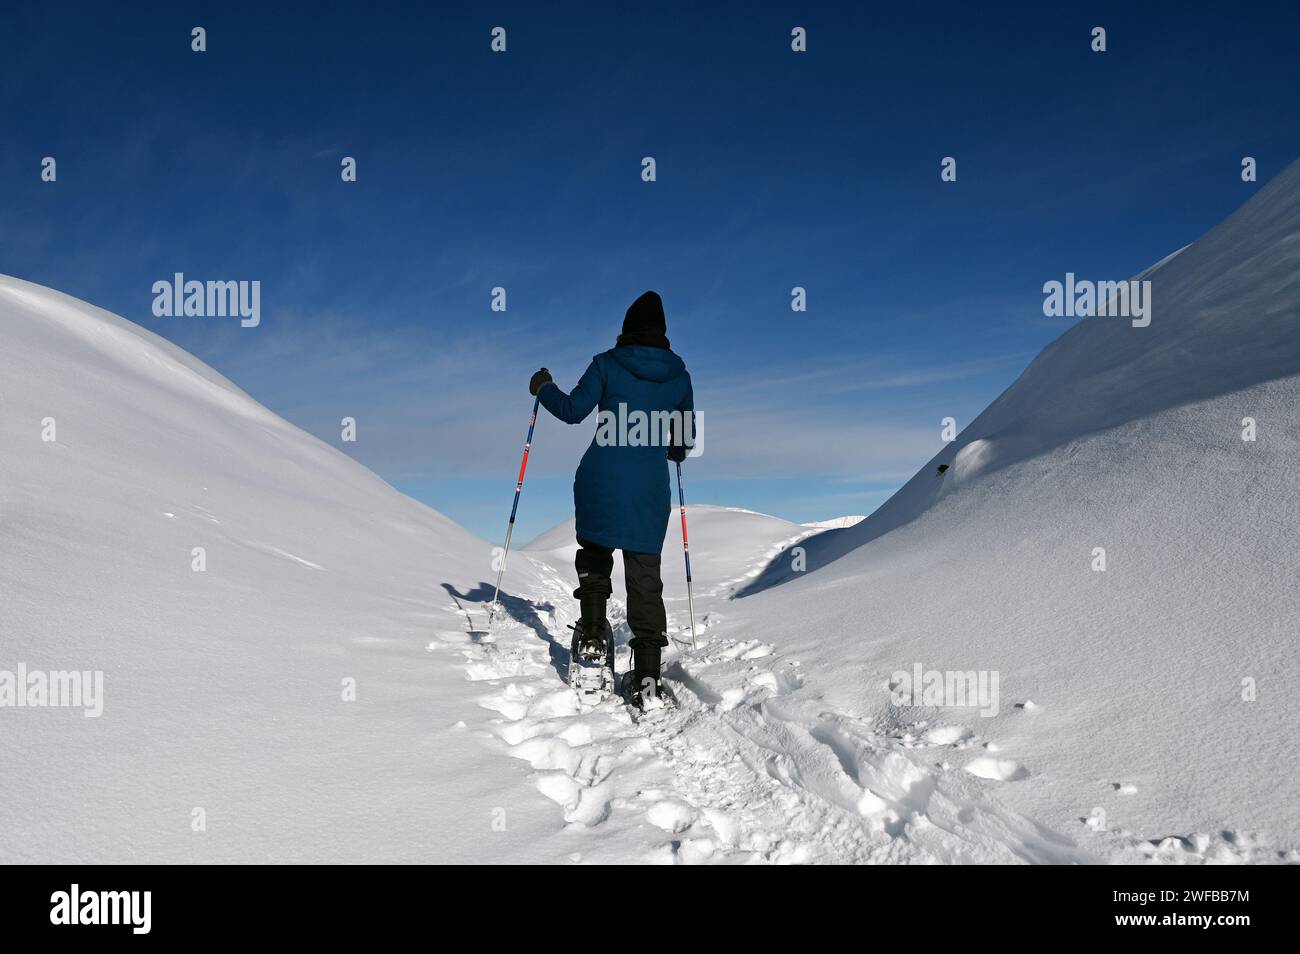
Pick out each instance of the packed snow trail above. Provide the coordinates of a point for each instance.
(750, 767)
(755, 766)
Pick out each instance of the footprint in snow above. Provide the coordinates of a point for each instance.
(744, 649)
(765, 680)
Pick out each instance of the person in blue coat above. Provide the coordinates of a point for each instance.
(621, 494)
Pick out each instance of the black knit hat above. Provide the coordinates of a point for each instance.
(644, 323)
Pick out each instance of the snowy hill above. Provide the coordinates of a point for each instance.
(223, 689)
(1225, 322)
(1128, 439)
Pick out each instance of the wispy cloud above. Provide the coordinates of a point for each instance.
(453, 405)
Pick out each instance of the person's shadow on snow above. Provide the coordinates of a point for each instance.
(518, 609)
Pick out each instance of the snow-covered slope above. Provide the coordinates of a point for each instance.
(223, 689)
(1225, 320)
(1127, 439)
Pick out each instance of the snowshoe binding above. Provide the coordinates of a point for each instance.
(591, 661)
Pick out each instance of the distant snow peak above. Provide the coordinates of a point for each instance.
(212, 299)
(946, 688)
(1086, 299)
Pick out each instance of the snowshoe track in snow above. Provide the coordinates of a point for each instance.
(750, 767)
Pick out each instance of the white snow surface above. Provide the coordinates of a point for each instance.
(1121, 735)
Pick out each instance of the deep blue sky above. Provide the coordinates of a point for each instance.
(523, 170)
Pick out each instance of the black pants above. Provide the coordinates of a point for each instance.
(645, 589)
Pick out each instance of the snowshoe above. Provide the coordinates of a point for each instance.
(650, 696)
(591, 662)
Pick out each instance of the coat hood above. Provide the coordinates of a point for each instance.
(649, 363)
(644, 323)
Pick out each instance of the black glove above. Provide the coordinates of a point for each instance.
(540, 378)
(676, 448)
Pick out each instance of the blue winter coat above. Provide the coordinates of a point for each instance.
(621, 492)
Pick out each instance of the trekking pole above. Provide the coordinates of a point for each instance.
(510, 529)
(686, 551)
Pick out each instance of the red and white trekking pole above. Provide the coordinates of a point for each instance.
(686, 550)
(519, 486)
